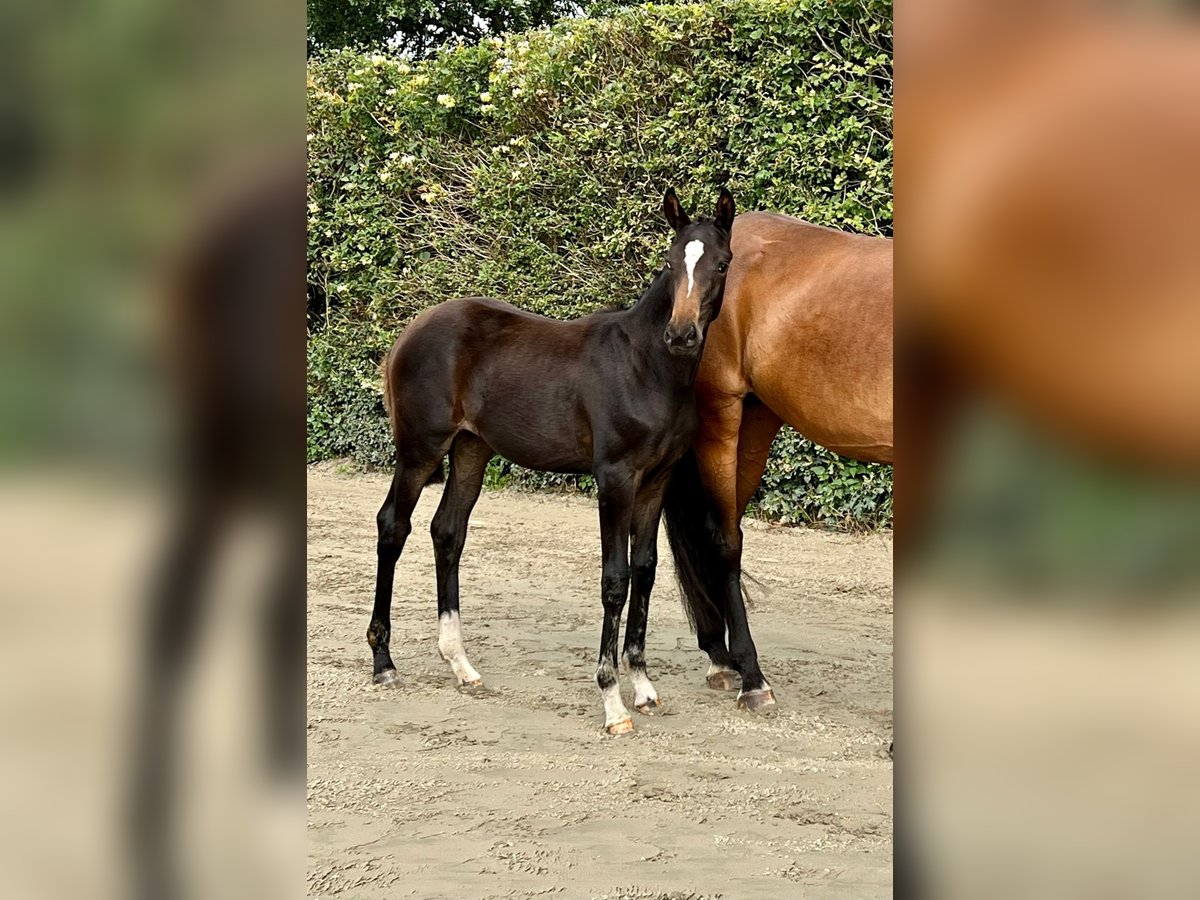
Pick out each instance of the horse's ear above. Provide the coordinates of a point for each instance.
(676, 217)
(723, 217)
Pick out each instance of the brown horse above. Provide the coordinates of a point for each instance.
(805, 337)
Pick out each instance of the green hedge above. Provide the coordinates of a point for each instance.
(531, 168)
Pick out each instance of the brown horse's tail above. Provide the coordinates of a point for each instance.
(694, 532)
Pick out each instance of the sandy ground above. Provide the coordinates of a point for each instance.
(515, 791)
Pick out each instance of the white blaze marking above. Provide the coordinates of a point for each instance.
(450, 646)
(691, 255)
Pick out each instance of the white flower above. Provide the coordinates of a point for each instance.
(314, 208)
(518, 91)
(407, 159)
(377, 60)
(447, 101)
(385, 175)
(391, 92)
(486, 96)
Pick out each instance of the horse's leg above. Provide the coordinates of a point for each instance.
(757, 433)
(395, 524)
(617, 489)
(468, 460)
(647, 512)
(178, 604)
(716, 456)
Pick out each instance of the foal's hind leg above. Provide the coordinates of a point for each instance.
(395, 524)
(468, 459)
(647, 513)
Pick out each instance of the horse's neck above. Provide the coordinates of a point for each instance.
(645, 322)
(654, 303)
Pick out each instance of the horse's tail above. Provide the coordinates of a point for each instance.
(694, 531)
(385, 371)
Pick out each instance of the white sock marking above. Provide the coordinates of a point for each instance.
(643, 689)
(691, 255)
(450, 646)
(614, 706)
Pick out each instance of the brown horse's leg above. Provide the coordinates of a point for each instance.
(716, 457)
(647, 512)
(468, 461)
(759, 427)
(757, 433)
(717, 451)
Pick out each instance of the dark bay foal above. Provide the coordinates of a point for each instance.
(610, 394)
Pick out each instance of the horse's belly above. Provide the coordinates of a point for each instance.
(547, 444)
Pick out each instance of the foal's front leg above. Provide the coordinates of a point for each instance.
(647, 513)
(617, 490)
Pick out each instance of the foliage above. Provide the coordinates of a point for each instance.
(531, 168)
(418, 27)
(807, 484)
(345, 404)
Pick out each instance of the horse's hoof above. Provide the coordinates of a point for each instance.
(724, 681)
(472, 684)
(387, 678)
(755, 700)
(650, 706)
(624, 726)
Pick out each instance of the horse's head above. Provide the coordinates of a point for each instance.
(696, 264)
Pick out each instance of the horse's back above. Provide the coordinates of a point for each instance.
(510, 376)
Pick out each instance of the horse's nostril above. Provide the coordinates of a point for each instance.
(680, 337)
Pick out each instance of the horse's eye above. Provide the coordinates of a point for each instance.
(721, 267)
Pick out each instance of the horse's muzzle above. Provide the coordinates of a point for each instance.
(682, 340)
